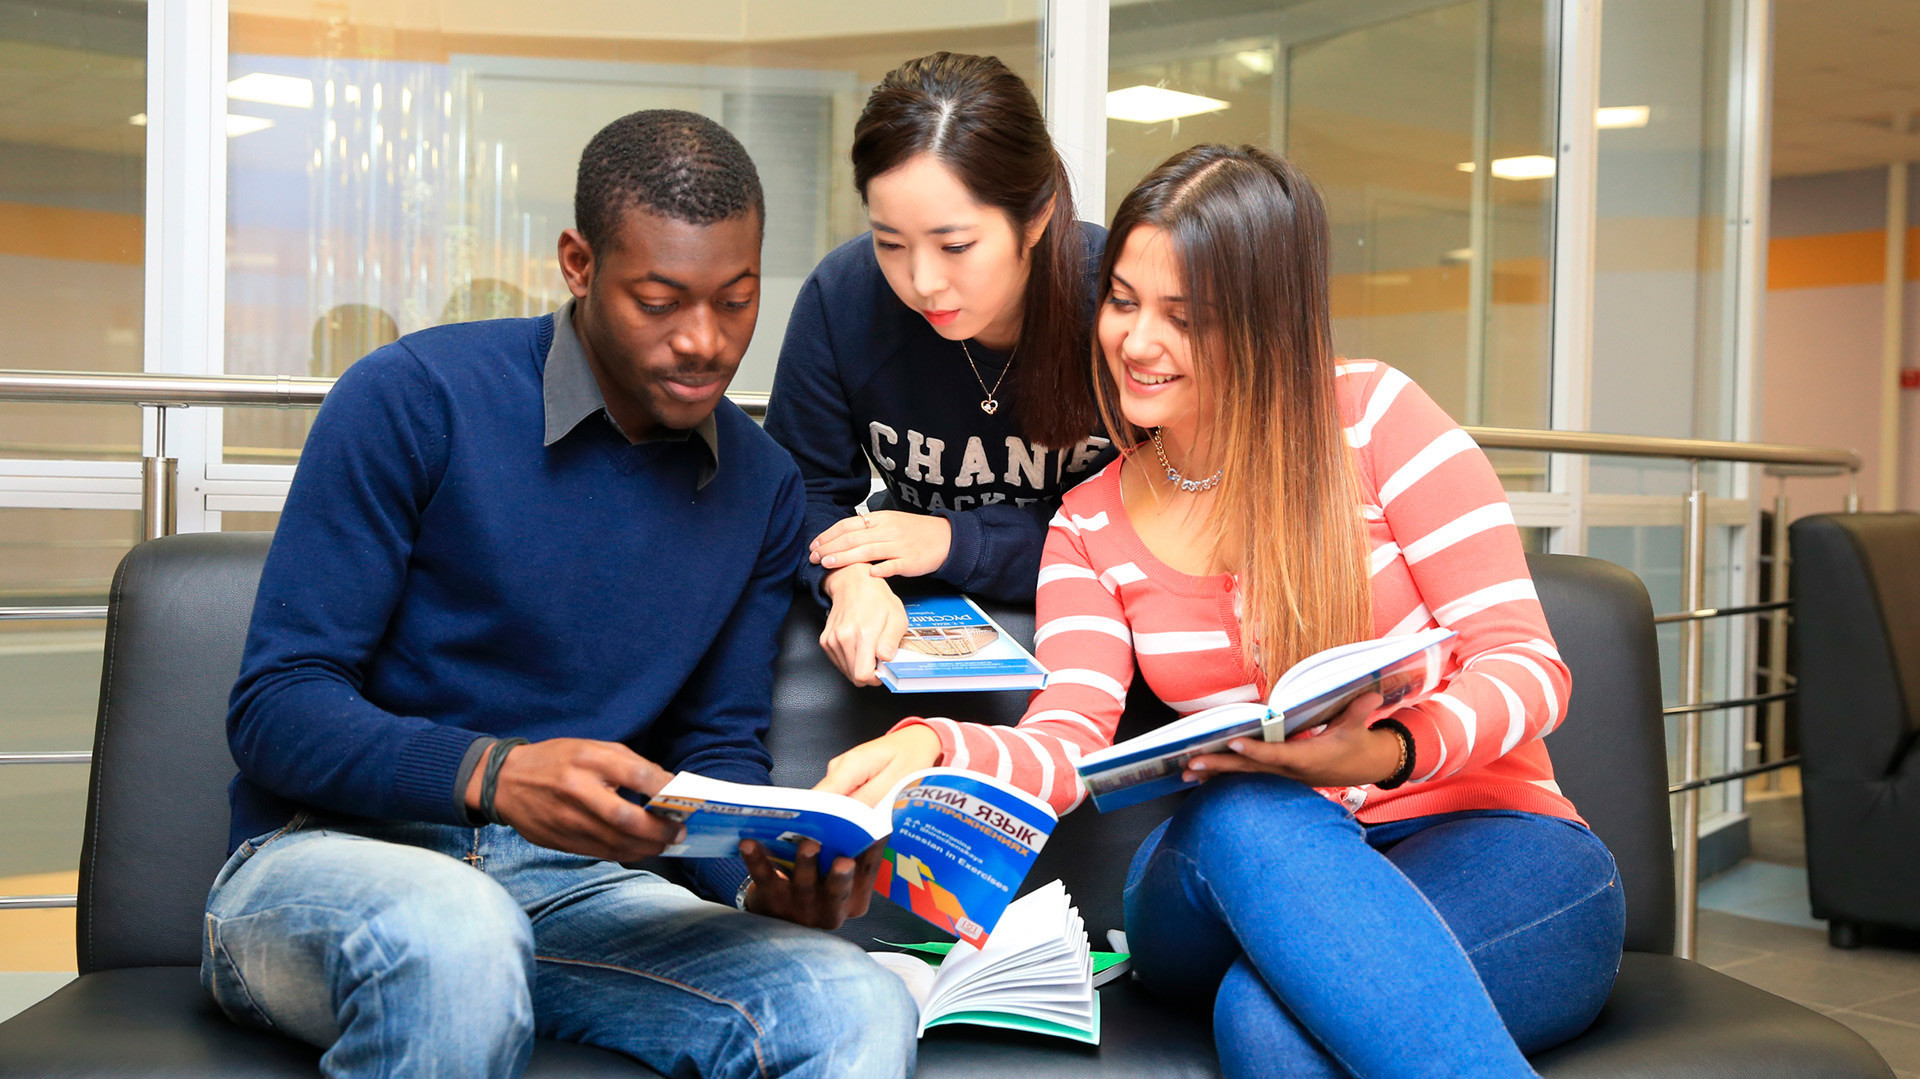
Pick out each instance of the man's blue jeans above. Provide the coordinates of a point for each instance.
(427, 950)
(1437, 946)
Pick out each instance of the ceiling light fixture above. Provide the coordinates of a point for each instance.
(1529, 167)
(1258, 61)
(1156, 104)
(288, 90)
(1618, 116)
(138, 119)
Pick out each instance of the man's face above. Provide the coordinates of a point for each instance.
(665, 312)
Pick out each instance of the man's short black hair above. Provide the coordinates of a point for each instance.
(671, 162)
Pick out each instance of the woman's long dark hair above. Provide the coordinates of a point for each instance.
(979, 119)
(1249, 234)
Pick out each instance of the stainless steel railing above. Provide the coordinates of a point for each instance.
(159, 517)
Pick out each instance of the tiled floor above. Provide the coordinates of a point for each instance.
(20, 990)
(1756, 925)
(1874, 990)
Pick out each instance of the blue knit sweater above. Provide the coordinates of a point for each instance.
(439, 574)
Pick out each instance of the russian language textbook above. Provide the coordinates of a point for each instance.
(1312, 692)
(958, 843)
(951, 644)
(1036, 974)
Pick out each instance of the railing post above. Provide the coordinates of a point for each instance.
(1775, 738)
(1692, 635)
(159, 477)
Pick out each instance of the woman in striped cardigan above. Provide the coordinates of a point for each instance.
(1405, 892)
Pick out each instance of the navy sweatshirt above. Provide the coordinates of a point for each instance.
(863, 378)
(440, 574)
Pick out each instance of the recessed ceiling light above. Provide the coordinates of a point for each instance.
(1155, 104)
(288, 90)
(1529, 167)
(1617, 116)
(238, 125)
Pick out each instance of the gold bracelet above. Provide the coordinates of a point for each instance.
(1404, 769)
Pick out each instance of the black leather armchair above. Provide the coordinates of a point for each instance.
(156, 834)
(1855, 646)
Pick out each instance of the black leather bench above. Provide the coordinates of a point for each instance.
(157, 817)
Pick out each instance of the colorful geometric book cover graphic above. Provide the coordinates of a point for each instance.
(960, 847)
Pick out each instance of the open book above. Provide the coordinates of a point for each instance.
(951, 644)
(1036, 974)
(958, 843)
(1314, 691)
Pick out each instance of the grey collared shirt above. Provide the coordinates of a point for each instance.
(571, 394)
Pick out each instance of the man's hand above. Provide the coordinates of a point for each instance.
(1346, 753)
(563, 794)
(869, 770)
(810, 897)
(892, 543)
(864, 625)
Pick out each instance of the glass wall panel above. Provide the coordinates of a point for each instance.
(1425, 126)
(1655, 554)
(45, 807)
(405, 167)
(50, 557)
(1663, 300)
(50, 670)
(249, 521)
(73, 91)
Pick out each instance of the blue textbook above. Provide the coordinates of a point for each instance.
(958, 843)
(951, 644)
(1312, 693)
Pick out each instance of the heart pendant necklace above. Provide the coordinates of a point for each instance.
(992, 404)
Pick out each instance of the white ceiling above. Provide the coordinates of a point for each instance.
(1842, 70)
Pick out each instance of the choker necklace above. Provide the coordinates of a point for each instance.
(990, 405)
(1173, 474)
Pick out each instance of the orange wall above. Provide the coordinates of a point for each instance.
(1836, 259)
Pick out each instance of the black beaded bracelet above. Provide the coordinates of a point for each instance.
(490, 779)
(1405, 771)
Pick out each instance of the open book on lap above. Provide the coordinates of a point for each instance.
(1312, 692)
(958, 843)
(1035, 975)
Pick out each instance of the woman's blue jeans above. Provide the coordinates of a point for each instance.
(427, 950)
(1445, 945)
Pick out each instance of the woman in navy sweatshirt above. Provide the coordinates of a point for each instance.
(948, 350)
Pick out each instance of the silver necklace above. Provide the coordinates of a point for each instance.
(991, 405)
(1173, 474)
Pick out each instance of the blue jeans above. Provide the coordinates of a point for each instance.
(1438, 946)
(428, 950)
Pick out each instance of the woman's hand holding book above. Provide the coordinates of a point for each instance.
(869, 770)
(1347, 752)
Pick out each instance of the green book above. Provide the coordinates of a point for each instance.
(1035, 974)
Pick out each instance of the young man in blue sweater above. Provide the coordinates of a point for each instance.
(527, 569)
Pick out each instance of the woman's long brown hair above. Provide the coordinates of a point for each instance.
(1249, 234)
(979, 119)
